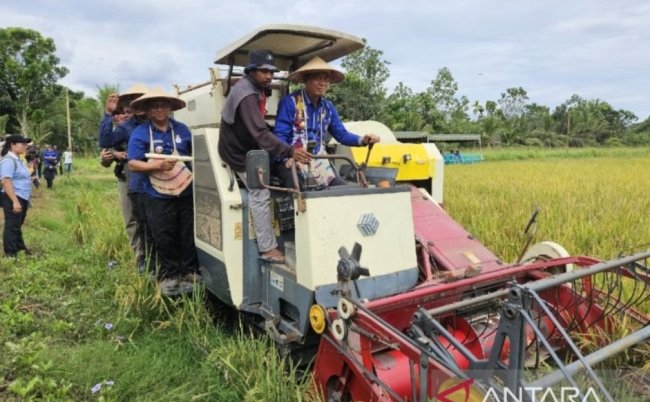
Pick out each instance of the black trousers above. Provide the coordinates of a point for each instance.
(49, 175)
(139, 202)
(12, 238)
(172, 226)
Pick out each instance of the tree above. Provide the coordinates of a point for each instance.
(50, 124)
(489, 127)
(478, 109)
(29, 70)
(511, 109)
(3, 124)
(443, 89)
(448, 113)
(361, 96)
(491, 107)
(512, 102)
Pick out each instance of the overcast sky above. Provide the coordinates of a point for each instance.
(553, 48)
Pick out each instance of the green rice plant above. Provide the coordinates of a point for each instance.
(590, 206)
(256, 371)
(140, 302)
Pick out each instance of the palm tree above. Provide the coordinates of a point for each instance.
(103, 92)
(478, 109)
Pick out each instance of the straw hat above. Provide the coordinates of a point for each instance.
(316, 65)
(136, 91)
(142, 102)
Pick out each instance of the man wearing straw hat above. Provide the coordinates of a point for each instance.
(306, 116)
(167, 185)
(243, 129)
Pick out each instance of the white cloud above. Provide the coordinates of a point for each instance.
(552, 49)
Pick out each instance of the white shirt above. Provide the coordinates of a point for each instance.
(67, 157)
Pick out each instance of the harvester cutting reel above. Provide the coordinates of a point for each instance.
(548, 319)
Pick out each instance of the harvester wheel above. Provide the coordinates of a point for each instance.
(548, 250)
(317, 318)
(339, 329)
(345, 308)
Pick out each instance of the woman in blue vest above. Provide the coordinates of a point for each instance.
(16, 193)
(167, 187)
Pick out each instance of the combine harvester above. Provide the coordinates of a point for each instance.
(401, 302)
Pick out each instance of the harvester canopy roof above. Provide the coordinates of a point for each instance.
(292, 45)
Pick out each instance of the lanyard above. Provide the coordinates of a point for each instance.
(151, 149)
(315, 125)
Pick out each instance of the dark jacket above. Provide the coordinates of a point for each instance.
(249, 130)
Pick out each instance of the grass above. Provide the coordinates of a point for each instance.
(68, 322)
(526, 153)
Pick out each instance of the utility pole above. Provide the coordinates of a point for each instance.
(568, 128)
(67, 110)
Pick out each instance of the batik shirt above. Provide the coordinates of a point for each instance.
(299, 121)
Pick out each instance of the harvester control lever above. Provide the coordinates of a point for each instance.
(529, 232)
(365, 163)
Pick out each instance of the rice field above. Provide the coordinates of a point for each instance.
(592, 206)
(72, 329)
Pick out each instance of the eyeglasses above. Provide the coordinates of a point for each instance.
(319, 78)
(160, 105)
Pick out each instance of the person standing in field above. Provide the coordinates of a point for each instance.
(67, 161)
(59, 165)
(16, 193)
(132, 197)
(122, 121)
(167, 184)
(50, 158)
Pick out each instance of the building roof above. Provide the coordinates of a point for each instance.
(411, 135)
(454, 137)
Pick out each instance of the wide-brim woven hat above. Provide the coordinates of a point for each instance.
(131, 94)
(316, 65)
(141, 103)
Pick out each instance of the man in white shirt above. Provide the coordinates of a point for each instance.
(67, 161)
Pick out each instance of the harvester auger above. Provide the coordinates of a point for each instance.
(481, 337)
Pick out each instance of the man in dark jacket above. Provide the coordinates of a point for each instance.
(243, 129)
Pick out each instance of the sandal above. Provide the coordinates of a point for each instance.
(273, 259)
